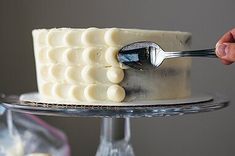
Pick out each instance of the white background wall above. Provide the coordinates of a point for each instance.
(206, 134)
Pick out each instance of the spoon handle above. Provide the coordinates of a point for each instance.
(192, 53)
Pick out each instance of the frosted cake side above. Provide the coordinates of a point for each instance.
(80, 65)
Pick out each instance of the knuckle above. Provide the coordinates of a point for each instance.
(233, 32)
(231, 52)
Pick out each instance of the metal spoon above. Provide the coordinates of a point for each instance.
(145, 55)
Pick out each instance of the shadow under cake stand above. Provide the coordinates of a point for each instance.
(115, 126)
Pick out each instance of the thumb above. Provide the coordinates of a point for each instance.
(226, 51)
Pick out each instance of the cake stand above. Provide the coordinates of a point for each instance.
(115, 127)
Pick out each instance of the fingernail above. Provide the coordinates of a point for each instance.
(221, 50)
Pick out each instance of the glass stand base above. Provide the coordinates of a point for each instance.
(115, 138)
(115, 127)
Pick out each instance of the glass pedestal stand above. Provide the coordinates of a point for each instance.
(115, 127)
(115, 138)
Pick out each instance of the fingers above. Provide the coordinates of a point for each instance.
(226, 52)
(225, 47)
(229, 37)
(226, 62)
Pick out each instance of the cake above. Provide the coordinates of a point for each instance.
(81, 65)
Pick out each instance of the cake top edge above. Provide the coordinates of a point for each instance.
(125, 29)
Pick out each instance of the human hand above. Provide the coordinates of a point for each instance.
(225, 47)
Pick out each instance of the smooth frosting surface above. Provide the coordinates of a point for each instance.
(82, 65)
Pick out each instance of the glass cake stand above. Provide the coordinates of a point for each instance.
(115, 127)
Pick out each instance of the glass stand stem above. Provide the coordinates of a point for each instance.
(115, 138)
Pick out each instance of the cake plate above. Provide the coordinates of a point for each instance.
(115, 127)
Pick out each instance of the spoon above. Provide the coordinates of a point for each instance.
(146, 55)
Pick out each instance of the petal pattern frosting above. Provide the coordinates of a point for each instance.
(82, 65)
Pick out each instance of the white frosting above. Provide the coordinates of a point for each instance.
(116, 93)
(82, 65)
(115, 75)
